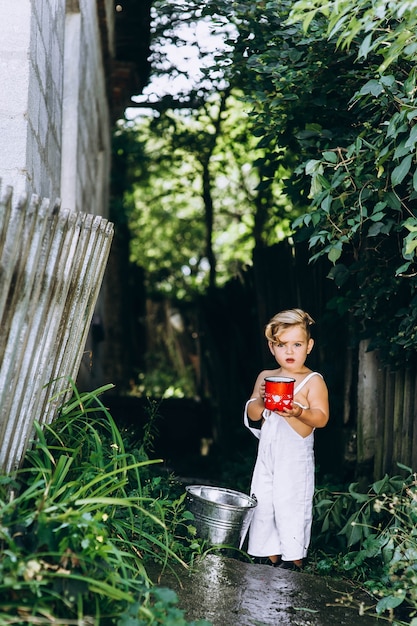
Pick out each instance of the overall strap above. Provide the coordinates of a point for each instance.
(254, 431)
(306, 379)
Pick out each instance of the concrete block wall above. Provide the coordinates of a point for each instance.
(54, 113)
(44, 115)
(14, 78)
(93, 165)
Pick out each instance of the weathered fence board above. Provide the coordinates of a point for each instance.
(408, 416)
(52, 263)
(413, 463)
(395, 408)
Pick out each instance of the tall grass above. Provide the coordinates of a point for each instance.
(79, 522)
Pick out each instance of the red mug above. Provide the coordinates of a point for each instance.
(279, 392)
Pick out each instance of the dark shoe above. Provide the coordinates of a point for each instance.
(263, 560)
(290, 565)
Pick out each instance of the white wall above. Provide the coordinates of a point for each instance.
(14, 79)
(54, 115)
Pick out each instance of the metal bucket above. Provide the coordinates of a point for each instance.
(222, 516)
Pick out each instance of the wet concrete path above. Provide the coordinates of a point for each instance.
(228, 592)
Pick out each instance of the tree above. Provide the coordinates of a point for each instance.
(363, 195)
(206, 198)
(333, 85)
(298, 86)
(208, 194)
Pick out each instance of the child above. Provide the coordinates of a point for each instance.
(283, 477)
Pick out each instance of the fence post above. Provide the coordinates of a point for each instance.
(367, 404)
(52, 263)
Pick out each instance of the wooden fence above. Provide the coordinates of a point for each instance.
(52, 263)
(386, 415)
(373, 410)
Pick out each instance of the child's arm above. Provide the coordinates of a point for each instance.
(316, 399)
(256, 407)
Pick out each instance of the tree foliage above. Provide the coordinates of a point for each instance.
(364, 194)
(208, 197)
(298, 87)
(334, 85)
(326, 131)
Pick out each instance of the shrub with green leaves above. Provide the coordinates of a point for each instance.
(372, 537)
(78, 523)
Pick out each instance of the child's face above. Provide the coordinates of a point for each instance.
(291, 348)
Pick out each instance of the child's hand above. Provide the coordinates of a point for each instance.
(262, 389)
(297, 408)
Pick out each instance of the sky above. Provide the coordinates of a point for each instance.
(186, 59)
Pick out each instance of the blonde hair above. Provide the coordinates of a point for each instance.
(283, 320)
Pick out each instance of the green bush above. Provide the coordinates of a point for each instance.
(372, 538)
(80, 521)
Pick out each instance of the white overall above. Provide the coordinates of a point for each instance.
(283, 484)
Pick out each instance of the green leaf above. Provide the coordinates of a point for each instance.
(411, 224)
(373, 87)
(168, 596)
(323, 181)
(377, 217)
(380, 485)
(403, 268)
(312, 166)
(359, 497)
(334, 254)
(352, 530)
(378, 208)
(329, 156)
(410, 246)
(373, 544)
(401, 150)
(405, 467)
(365, 47)
(412, 139)
(327, 204)
(376, 229)
(390, 602)
(392, 200)
(401, 171)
